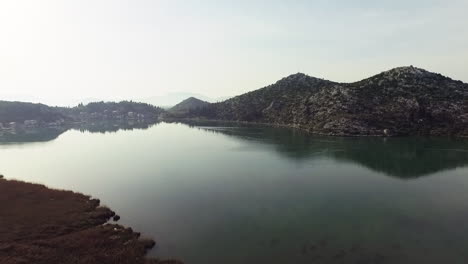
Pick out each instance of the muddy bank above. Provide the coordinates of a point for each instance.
(41, 225)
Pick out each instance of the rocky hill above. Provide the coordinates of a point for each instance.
(401, 101)
(187, 105)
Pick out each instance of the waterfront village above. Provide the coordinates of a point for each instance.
(81, 118)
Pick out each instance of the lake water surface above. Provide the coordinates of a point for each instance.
(214, 193)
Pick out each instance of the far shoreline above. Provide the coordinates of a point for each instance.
(185, 120)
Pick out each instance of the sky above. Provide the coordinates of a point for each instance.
(62, 51)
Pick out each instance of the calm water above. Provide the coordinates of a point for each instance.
(222, 194)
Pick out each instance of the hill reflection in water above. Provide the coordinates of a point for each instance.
(402, 157)
(45, 134)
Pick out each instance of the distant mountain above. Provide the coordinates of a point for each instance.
(401, 101)
(171, 99)
(187, 105)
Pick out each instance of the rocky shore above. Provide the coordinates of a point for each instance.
(41, 225)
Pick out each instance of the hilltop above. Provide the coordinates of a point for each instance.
(401, 101)
(187, 105)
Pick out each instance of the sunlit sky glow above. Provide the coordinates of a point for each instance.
(62, 51)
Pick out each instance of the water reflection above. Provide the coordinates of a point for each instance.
(405, 157)
(45, 134)
(112, 127)
(30, 136)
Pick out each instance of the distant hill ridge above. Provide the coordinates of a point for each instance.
(401, 101)
(38, 114)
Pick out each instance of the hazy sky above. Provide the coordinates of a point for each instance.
(64, 50)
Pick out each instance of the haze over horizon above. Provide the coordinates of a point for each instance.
(62, 51)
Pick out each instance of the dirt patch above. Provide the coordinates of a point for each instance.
(41, 225)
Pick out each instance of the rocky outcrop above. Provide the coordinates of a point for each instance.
(401, 101)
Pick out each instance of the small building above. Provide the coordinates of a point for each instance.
(31, 123)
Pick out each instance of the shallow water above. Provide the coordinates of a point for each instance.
(218, 193)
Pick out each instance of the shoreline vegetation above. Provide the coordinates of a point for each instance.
(41, 225)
